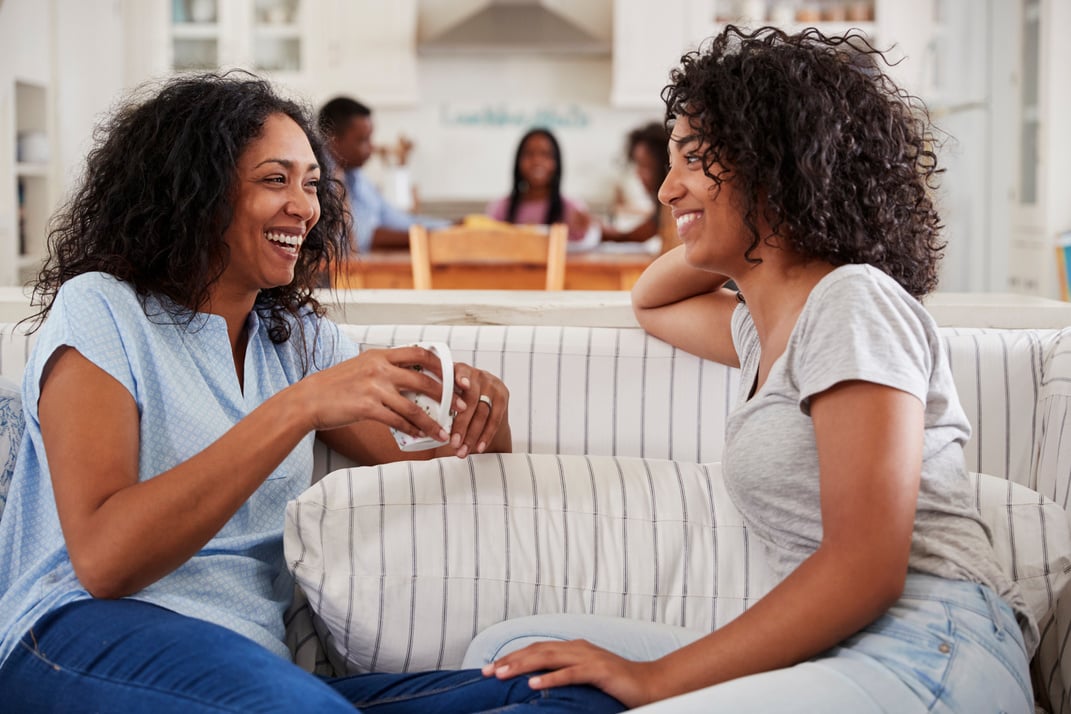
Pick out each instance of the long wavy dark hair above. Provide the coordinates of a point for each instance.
(842, 157)
(555, 206)
(157, 193)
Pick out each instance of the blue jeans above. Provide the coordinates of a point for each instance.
(129, 656)
(946, 646)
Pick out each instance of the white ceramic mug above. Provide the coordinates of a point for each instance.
(439, 411)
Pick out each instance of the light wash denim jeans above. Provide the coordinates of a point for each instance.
(132, 657)
(945, 647)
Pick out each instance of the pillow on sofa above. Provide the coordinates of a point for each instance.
(403, 564)
(11, 427)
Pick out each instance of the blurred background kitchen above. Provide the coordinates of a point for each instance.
(464, 79)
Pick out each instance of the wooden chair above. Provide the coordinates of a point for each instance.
(496, 257)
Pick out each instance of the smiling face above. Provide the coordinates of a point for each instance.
(275, 206)
(709, 221)
(538, 162)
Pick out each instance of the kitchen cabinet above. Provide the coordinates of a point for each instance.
(649, 38)
(270, 37)
(316, 48)
(1041, 210)
(371, 52)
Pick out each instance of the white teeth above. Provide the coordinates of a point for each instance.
(285, 239)
(686, 219)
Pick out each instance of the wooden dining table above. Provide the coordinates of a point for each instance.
(595, 270)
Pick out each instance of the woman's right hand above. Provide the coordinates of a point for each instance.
(370, 386)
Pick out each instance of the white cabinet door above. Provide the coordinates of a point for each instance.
(370, 51)
(282, 40)
(649, 38)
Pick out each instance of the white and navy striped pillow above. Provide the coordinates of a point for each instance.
(403, 564)
(12, 424)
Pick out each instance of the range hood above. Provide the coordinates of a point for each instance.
(514, 27)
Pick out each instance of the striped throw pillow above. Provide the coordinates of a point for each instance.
(404, 564)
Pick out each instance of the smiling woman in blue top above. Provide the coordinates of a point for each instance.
(179, 378)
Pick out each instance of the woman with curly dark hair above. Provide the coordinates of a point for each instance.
(173, 396)
(801, 172)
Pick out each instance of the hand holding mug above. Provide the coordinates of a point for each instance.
(441, 411)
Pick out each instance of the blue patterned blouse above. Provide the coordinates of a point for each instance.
(183, 380)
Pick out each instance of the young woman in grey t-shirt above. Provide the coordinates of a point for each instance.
(800, 172)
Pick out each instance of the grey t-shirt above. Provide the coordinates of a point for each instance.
(857, 324)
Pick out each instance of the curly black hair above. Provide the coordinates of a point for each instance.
(811, 128)
(156, 198)
(555, 206)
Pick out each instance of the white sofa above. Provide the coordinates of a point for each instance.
(583, 398)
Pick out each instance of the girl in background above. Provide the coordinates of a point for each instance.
(536, 197)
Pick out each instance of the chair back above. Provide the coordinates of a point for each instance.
(497, 254)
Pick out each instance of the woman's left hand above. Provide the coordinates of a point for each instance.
(483, 423)
(580, 662)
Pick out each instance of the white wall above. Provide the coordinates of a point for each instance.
(88, 35)
(472, 113)
(26, 39)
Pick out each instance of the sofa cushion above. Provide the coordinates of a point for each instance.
(11, 428)
(403, 564)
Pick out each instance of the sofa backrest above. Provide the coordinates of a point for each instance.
(618, 391)
(590, 390)
(998, 375)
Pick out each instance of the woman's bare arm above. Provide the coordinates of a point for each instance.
(686, 307)
(124, 534)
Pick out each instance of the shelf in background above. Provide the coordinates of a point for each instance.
(34, 170)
